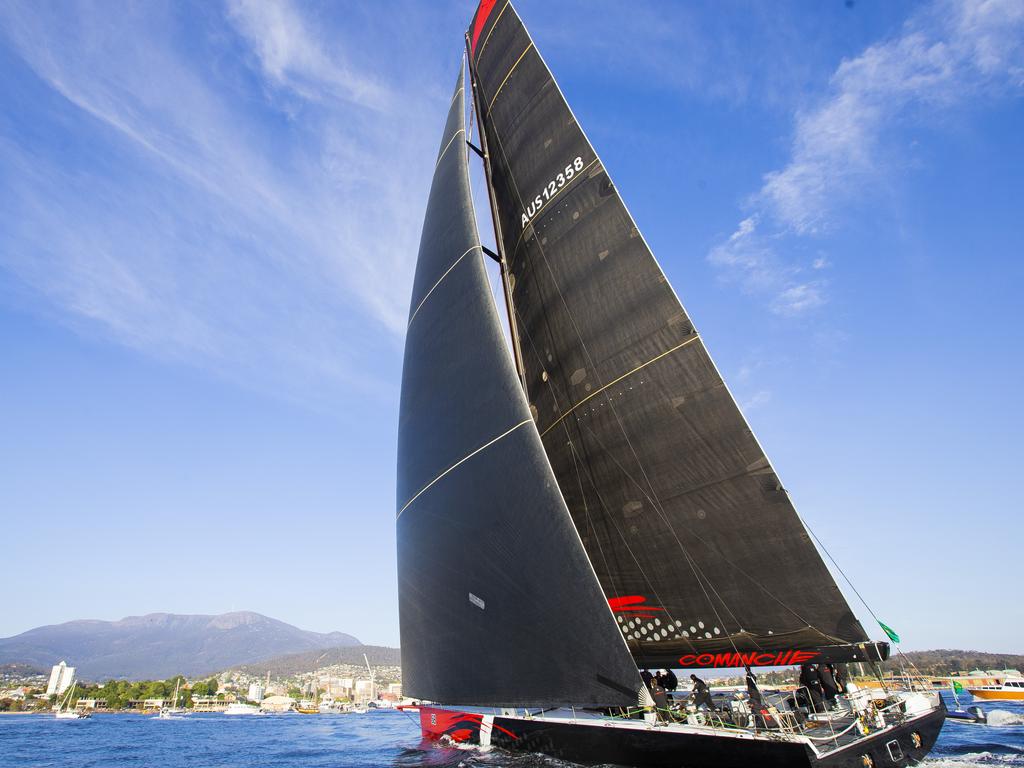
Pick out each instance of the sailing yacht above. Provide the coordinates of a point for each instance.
(173, 711)
(588, 500)
(65, 711)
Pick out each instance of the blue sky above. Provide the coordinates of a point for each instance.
(209, 215)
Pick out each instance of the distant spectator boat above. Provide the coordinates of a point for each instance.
(238, 708)
(64, 710)
(1012, 689)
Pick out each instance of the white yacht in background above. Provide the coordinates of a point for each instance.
(64, 710)
(238, 708)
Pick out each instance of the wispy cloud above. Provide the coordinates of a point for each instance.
(946, 55)
(214, 186)
(290, 54)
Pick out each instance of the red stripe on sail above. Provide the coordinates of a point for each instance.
(631, 604)
(482, 13)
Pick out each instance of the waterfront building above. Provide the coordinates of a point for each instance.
(256, 691)
(365, 690)
(91, 704)
(61, 677)
(277, 704)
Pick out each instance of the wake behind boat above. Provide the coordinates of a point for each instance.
(594, 502)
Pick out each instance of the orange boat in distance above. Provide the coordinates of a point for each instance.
(1012, 689)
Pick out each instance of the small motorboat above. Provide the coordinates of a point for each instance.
(1012, 689)
(970, 716)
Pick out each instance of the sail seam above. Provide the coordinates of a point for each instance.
(495, 96)
(620, 378)
(465, 458)
(446, 146)
(495, 24)
(442, 277)
(454, 97)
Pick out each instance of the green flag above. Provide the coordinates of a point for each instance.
(957, 688)
(890, 632)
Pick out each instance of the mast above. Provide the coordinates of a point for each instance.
(517, 352)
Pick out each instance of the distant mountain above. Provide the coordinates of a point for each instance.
(296, 663)
(160, 645)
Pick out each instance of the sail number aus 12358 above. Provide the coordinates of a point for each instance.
(551, 188)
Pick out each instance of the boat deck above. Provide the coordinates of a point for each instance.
(825, 732)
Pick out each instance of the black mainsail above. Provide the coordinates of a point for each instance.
(696, 543)
(498, 601)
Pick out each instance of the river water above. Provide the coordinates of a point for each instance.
(384, 738)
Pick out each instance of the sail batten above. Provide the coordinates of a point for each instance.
(498, 603)
(676, 502)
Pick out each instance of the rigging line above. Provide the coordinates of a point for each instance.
(590, 360)
(515, 249)
(841, 571)
(579, 335)
(440, 157)
(465, 458)
(493, 25)
(698, 572)
(601, 501)
(724, 557)
(572, 448)
(495, 96)
(590, 521)
(629, 549)
(620, 378)
(442, 277)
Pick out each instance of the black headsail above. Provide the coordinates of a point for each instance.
(694, 540)
(499, 604)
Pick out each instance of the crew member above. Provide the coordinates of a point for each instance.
(671, 682)
(701, 694)
(829, 689)
(840, 677)
(753, 693)
(647, 677)
(812, 684)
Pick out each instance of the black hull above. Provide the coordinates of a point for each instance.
(598, 743)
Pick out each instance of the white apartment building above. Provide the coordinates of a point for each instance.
(61, 677)
(255, 692)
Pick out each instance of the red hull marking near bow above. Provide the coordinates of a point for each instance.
(457, 726)
(752, 659)
(486, 6)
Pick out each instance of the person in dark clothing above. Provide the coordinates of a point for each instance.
(839, 674)
(829, 689)
(647, 677)
(701, 694)
(660, 698)
(671, 681)
(753, 693)
(810, 681)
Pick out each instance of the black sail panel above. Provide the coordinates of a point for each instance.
(695, 542)
(498, 602)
